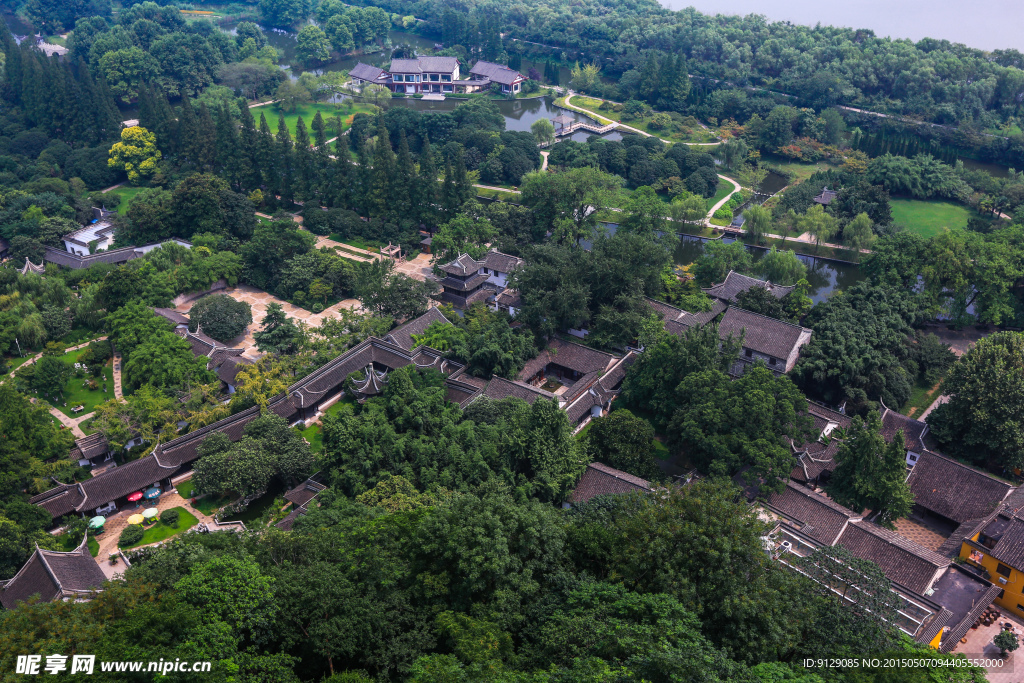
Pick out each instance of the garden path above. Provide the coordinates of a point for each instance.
(259, 300)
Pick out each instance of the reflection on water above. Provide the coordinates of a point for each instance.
(995, 169)
(519, 114)
(773, 182)
(823, 275)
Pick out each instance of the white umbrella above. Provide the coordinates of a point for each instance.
(150, 513)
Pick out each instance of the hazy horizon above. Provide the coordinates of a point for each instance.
(988, 25)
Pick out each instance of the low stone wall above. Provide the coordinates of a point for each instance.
(218, 286)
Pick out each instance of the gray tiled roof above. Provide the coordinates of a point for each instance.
(424, 65)
(366, 72)
(499, 388)
(901, 560)
(402, 335)
(503, 263)
(462, 266)
(51, 574)
(954, 490)
(599, 479)
(734, 283)
(570, 355)
(92, 445)
(824, 520)
(913, 430)
(170, 314)
(763, 334)
(1009, 548)
(499, 73)
(677, 321)
(75, 262)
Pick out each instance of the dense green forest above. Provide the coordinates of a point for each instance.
(446, 546)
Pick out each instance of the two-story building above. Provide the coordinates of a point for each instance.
(467, 281)
(424, 74)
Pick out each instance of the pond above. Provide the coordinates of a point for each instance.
(995, 169)
(519, 114)
(772, 183)
(823, 275)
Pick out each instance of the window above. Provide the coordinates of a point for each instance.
(399, 78)
(435, 77)
(771, 361)
(1003, 570)
(1001, 594)
(446, 88)
(749, 353)
(446, 78)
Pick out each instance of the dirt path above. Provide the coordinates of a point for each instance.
(544, 164)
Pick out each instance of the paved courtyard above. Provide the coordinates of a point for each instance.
(921, 533)
(979, 644)
(259, 300)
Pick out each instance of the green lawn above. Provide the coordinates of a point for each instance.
(313, 433)
(928, 217)
(207, 504)
(67, 545)
(920, 398)
(77, 394)
(725, 189)
(158, 531)
(259, 507)
(307, 112)
(799, 170)
(126, 192)
(661, 451)
(13, 363)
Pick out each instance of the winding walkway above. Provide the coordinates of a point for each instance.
(568, 104)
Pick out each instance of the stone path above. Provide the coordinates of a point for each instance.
(259, 300)
(118, 393)
(112, 187)
(735, 188)
(544, 164)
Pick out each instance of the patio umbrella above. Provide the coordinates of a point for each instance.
(150, 513)
(152, 493)
(135, 496)
(97, 522)
(136, 519)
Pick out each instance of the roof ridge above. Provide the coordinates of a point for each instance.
(965, 465)
(892, 538)
(768, 317)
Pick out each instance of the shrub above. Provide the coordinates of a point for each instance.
(131, 535)
(169, 517)
(220, 316)
(723, 213)
(317, 307)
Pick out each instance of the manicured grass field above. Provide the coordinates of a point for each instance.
(308, 112)
(159, 531)
(76, 394)
(126, 192)
(67, 545)
(928, 217)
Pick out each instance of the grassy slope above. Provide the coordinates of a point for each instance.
(928, 217)
(307, 112)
